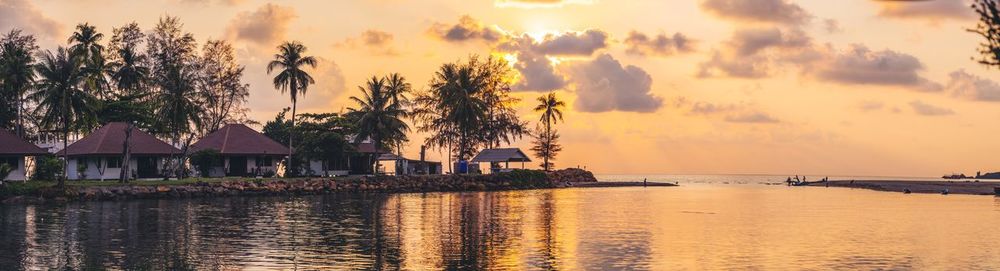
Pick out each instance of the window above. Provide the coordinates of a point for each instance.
(81, 162)
(114, 162)
(263, 161)
(12, 161)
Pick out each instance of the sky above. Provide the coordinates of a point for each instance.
(815, 87)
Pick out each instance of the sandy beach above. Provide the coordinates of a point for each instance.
(935, 187)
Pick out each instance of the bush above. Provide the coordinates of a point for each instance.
(5, 170)
(523, 177)
(47, 168)
(202, 161)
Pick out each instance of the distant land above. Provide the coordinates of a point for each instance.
(987, 176)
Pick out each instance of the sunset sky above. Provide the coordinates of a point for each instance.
(817, 87)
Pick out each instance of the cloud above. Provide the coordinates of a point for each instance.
(376, 41)
(24, 15)
(206, 2)
(603, 85)
(538, 3)
(735, 113)
(267, 26)
(466, 29)
(659, 45)
(537, 73)
(868, 106)
(584, 43)
(860, 66)
(936, 10)
(766, 11)
(751, 117)
(925, 109)
(533, 56)
(972, 87)
(754, 52)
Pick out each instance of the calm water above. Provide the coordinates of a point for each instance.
(705, 224)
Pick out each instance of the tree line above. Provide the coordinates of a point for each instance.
(164, 82)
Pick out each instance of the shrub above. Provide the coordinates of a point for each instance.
(524, 177)
(5, 170)
(47, 168)
(202, 161)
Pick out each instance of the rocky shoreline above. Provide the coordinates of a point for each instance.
(516, 180)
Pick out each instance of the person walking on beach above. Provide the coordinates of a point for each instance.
(643, 182)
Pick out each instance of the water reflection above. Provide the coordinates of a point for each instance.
(695, 227)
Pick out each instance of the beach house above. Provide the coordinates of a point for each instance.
(243, 152)
(99, 155)
(13, 151)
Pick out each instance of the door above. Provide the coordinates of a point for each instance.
(238, 166)
(146, 168)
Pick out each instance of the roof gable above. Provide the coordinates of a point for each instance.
(110, 140)
(11, 144)
(501, 155)
(239, 139)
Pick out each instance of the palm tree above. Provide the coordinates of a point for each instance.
(16, 71)
(551, 108)
(61, 97)
(457, 88)
(85, 44)
(130, 73)
(292, 78)
(379, 114)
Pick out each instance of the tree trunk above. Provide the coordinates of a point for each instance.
(547, 146)
(62, 180)
(291, 133)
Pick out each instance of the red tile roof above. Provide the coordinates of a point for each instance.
(11, 144)
(109, 139)
(239, 139)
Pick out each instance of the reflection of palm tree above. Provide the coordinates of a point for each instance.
(380, 115)
(292, 78)
(551, 108)
(61, 97)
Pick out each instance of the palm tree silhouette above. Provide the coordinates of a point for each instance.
(292, 78)
(380, 114)
(61, 97)
(551, 108)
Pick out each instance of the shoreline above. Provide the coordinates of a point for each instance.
(923, 187)
(197, 188)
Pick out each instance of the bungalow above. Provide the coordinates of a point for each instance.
(13, 151)
(496, 156)
(99, 155)
(358, 162)
(243, 152)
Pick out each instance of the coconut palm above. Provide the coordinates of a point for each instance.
(292, 78)
(379, 114)
(551, 108)
(85, 44)
(61, 96)
(129, 73)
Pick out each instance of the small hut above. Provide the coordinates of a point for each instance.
(497, 156)
(243, 152)
(98, 156)
(13, 151)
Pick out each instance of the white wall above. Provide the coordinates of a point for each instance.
(18, 174)
(93, 171)
(317, 169)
